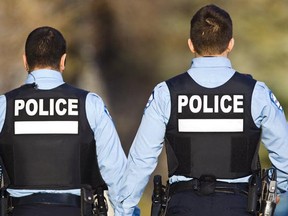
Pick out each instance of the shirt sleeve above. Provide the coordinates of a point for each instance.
(269, 115)
(111, 157)
(146, 147)
(2, 111)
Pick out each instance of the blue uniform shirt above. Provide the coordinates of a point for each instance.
(209, 72)
(111, 157)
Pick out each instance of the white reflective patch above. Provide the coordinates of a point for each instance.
(151, 98)
(275, 101)
(46, 127)
(210, 125)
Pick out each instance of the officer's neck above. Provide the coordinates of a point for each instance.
(44, 68)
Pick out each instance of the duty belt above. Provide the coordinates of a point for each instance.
(48, 198)
(207, 186)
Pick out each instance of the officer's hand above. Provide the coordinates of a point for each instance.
(136, 211)
(277, 199)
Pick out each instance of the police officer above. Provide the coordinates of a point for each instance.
(56, 139)
(212, 119)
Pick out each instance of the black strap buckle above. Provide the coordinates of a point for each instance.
(195, 184)
(207, 184)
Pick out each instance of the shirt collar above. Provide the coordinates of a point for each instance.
(45, 78)
(211, 62)
(211, 72)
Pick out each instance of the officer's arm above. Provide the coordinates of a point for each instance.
(2, 110)
(111, 157)
(146, 147)
(269, 115)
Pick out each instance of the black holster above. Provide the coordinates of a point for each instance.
(100, 204)
(269, 193)
(159, 197)
(93, 203)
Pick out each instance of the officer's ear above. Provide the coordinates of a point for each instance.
(230, 45)
(26, 66)
(62, 62)
(191, 46)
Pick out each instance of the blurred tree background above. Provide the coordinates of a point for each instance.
(122, 49)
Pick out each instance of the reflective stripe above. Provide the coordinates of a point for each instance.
(210, 125)
(46, 127)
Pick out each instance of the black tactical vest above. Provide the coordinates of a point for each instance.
(46, 141)
(211, 130)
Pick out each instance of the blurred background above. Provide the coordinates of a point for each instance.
(122, 49)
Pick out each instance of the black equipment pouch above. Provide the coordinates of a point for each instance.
(86, 202)
(254, 193)
(4, 181)
(4, 204)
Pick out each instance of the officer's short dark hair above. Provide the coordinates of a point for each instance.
(211, 30)
(44, 48)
